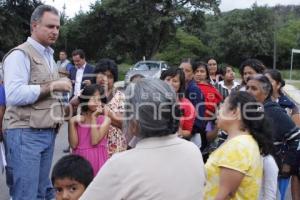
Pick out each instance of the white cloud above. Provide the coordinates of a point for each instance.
(73, 6)
(227, 5)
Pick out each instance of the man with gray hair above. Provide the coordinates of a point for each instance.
(34, 109)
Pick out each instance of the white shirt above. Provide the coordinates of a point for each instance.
(17, 74)
(269, 181)
(235, 84)
(79, 75)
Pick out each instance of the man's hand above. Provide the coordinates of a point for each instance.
(87, 82)
(61, 85)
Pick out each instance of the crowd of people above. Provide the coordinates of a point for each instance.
(195, 133)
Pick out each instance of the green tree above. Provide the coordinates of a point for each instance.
(15, 21)
(182, 46)
(131, 28)
(241, 34)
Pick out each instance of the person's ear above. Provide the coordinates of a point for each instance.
(236, 113)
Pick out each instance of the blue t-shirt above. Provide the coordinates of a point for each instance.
(2, 95)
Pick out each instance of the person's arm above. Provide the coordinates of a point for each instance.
(16, 78)
(229, 182)
(98, 131)
(116, 117)
(73, 136)
(2, 111)
(187, 119)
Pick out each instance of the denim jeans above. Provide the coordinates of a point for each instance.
(29, 155)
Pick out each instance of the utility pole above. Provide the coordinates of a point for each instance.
(274, 50)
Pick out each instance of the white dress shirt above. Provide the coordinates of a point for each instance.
(78, 80)
(17, 74)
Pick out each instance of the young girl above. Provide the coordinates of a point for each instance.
(212, 99)
(175, 78)
(211, 94)
(87, 131)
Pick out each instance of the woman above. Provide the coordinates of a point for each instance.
(250, 67)
(285, 133)
(196, 97)
(166, 167)
(278, 83)
(212, 96)
(228, 85)
(234, 170)
(106, 73)
(214, 74)
(175, 78)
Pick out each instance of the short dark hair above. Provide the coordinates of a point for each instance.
(63, 51)
(74, 167)
(197, 64)
(87, 93)
(172, 72)
(223, 69)
(79, 52)
(104, 65)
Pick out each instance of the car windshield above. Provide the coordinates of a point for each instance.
(146, 66)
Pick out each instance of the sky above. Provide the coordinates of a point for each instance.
(73, 6)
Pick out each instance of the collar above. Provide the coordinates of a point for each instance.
(158, 142)
(235, 84)
(40, 48)
(82, 67)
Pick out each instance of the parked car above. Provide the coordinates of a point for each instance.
(147, 68)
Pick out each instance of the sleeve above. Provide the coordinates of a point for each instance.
(269, 184)
(2, 95)
(16, 77)
(197, 99)
(189, 114)
(236, 156)
(106, 185)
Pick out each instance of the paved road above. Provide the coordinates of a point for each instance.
(61, 143)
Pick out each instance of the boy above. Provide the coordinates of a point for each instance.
(70, 177)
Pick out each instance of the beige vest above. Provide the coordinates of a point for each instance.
(46, 113)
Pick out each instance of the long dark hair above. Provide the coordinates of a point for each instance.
(276, 76)
(254, 120)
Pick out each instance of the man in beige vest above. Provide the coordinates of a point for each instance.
(34, 108)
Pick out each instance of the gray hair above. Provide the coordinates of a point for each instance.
(151, 105)
(39, 12)
(264, 83)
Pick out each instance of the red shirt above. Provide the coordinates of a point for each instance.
(212, 97)
(189, 114)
